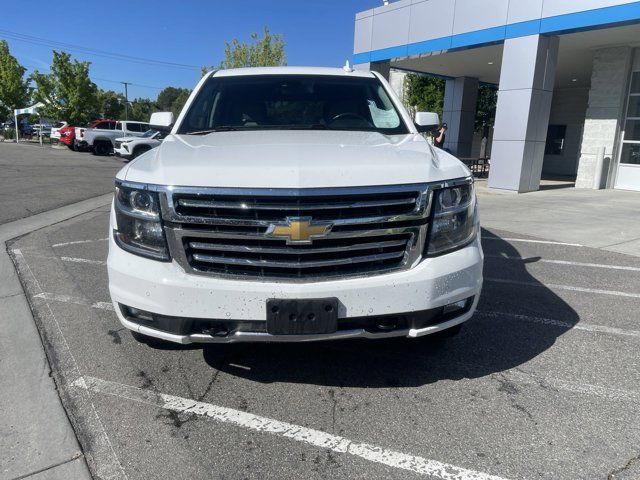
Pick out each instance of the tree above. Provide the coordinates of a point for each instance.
(111, 104)
(67, 92)
(180, 100)
(167, 97)
(141, 109)
(14, 89)
(424, 93)
(267, 51)
(486, 107)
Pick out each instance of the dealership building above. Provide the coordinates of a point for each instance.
(567, 74)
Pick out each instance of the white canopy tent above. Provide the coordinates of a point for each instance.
(32, 110)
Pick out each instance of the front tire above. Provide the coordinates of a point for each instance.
(102, 148)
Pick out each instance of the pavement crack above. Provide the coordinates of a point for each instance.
(334, 401)
(614, 474)
(73, 458)
(11, 295)
(214, 377)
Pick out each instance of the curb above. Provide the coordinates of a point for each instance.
(36, 436)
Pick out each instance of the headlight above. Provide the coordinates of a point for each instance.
(139, 229)
(454, 220)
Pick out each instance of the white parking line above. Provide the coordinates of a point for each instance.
(566, 262)
(527, 240)
(101, 454)
(563, 287)
(17, 251)
(78, 242)
(82, 260)
(580, 325)
(317, 438)
(55, 297)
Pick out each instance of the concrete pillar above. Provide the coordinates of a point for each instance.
(607, 97)
(383, 68)
(522, 117)
(459, 113)
(396, 79)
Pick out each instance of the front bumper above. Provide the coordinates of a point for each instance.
(166, 289)
(121, 152)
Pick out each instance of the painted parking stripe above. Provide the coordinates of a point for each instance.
(571, 288)
(55, 297)
(78, 242)
(83, 260)
(316, 438)
(18, 252)
(587, 327)
(103, 455)
(527, 240)
(566, 262)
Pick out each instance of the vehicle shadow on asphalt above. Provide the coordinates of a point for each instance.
(502, 336)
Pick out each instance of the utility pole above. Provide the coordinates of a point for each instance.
(126, 100)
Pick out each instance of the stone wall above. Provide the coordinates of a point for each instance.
(609, 83)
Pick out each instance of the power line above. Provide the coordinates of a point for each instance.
(20, 37)
(140, 85)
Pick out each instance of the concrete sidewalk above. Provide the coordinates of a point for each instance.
(36, 437)
(606, 219)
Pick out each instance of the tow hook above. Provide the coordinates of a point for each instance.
(216, 331)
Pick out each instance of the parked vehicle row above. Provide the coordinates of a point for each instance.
(101, 138)
(123, 138)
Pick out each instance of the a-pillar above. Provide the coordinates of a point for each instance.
(459, 113)
(522, 117)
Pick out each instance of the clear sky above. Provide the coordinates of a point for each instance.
(190, 32)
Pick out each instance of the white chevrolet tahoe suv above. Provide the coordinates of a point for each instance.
(294, 204)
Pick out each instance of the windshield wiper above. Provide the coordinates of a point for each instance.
(231, 128)
(221, 128)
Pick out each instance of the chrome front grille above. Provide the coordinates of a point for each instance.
(230, 232)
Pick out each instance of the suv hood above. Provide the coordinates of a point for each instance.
(292, 159)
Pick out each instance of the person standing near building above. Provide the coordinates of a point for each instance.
(439, 136)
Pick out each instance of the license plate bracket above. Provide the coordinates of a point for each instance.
(302, 316)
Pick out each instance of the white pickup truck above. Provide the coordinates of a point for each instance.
(294, 204)
(101, 139)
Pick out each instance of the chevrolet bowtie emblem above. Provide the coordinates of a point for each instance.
(299, 230)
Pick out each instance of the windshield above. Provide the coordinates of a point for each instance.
(292, 102)
(149, 133)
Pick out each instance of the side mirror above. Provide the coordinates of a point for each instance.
(426, 121)
(161, 121)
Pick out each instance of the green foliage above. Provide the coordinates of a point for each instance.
(14, 89)
(486, 107)
(111, 104)
(424, 93)
(9, 134)
(141, 109)
(67, 92)
(268, 51)
(168, 96)
(178, 103)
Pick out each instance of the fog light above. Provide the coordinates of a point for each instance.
(140, 314)
(454, 307)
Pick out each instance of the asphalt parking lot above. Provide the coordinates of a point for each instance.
(542, 383)
(35, 179)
